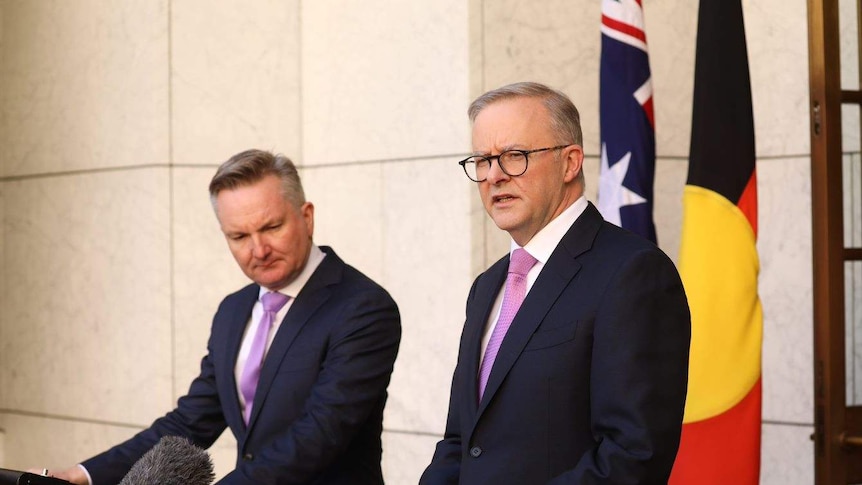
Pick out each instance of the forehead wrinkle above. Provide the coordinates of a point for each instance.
(500, 149)
(248, 214)
(510, 124)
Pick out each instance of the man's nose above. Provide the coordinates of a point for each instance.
(495, 173)
(260, 247)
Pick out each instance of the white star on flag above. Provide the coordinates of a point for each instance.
(612, 193)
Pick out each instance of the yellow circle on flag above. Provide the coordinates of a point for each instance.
(718, 264)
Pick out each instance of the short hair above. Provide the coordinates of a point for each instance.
(565, 119)
(250, 166)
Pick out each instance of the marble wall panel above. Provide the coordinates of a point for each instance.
(204, 272)
(83, 86)
(89, 255)
(555, 42)
(849, 39)
(427, 249)
(56, 443)
(348, 213)
(234, 78)
(850, 129)
(853, 332)
(670, 177)
(786, 455)
(405, 456)
(558, 43)
(223, 454)
(852, 190)
(42, 442)
(384, 80)
(851, 177)
(784, 246)
(671, 29)
(778, 62)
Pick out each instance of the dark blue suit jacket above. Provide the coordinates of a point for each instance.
(590, 381)
(318, 410)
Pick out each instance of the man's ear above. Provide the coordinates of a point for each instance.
(573, 156)
(307, 213)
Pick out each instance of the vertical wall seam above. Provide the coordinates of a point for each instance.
(299, 95)
(171, 256)
(482, 45)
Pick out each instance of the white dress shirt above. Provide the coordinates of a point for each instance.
(291, 290)
(540, 247)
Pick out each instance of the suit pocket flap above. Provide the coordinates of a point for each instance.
(543, 339)
(297, 361)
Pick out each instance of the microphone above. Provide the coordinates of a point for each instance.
(173, 461)
(15, 477)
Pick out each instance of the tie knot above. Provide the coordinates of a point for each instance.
(273, 301)
(521, 262)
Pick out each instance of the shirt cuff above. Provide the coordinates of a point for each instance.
(89, 478)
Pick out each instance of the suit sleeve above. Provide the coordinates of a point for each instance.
(198, 416)
(639, 375)
(350, 386)
(445, 467)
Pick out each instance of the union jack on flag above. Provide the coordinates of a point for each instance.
(626, 120)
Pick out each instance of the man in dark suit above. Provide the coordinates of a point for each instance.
(300, 382)
(573, 360)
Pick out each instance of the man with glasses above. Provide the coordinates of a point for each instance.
(573, 360)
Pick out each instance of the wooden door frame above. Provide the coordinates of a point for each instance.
(833, 463)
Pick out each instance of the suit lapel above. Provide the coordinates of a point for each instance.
(238, 321)
(314, 294)
(486, 292)
(559, 270)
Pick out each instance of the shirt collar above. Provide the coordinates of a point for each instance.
(548, 238)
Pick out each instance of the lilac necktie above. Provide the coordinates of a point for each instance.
(513, 296)
(272, 303)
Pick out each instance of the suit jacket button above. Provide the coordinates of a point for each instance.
(248, 457)
(475, 451)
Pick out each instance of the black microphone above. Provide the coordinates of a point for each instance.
(173, 461)
(15, 477)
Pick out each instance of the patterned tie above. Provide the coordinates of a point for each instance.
(272, 303)
(513, 296)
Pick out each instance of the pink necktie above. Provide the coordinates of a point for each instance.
(272, 303)
(513, 296)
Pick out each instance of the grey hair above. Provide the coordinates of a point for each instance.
(250, 166)
(565, 119)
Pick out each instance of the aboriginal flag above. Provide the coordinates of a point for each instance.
(627, 121)
(719, 264)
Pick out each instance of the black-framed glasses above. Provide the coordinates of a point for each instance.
(512, 162)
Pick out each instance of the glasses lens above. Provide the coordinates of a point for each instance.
(477, 168)
(513, 162)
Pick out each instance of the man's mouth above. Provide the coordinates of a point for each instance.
(502, 198)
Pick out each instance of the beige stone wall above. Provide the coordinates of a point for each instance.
(113, 119)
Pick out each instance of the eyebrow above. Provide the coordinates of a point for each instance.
(514, 146)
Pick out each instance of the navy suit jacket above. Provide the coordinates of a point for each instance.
(589, 383)
(318, 411)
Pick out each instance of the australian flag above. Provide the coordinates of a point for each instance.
(625, 195)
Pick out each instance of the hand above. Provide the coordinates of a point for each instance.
(73, 474)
